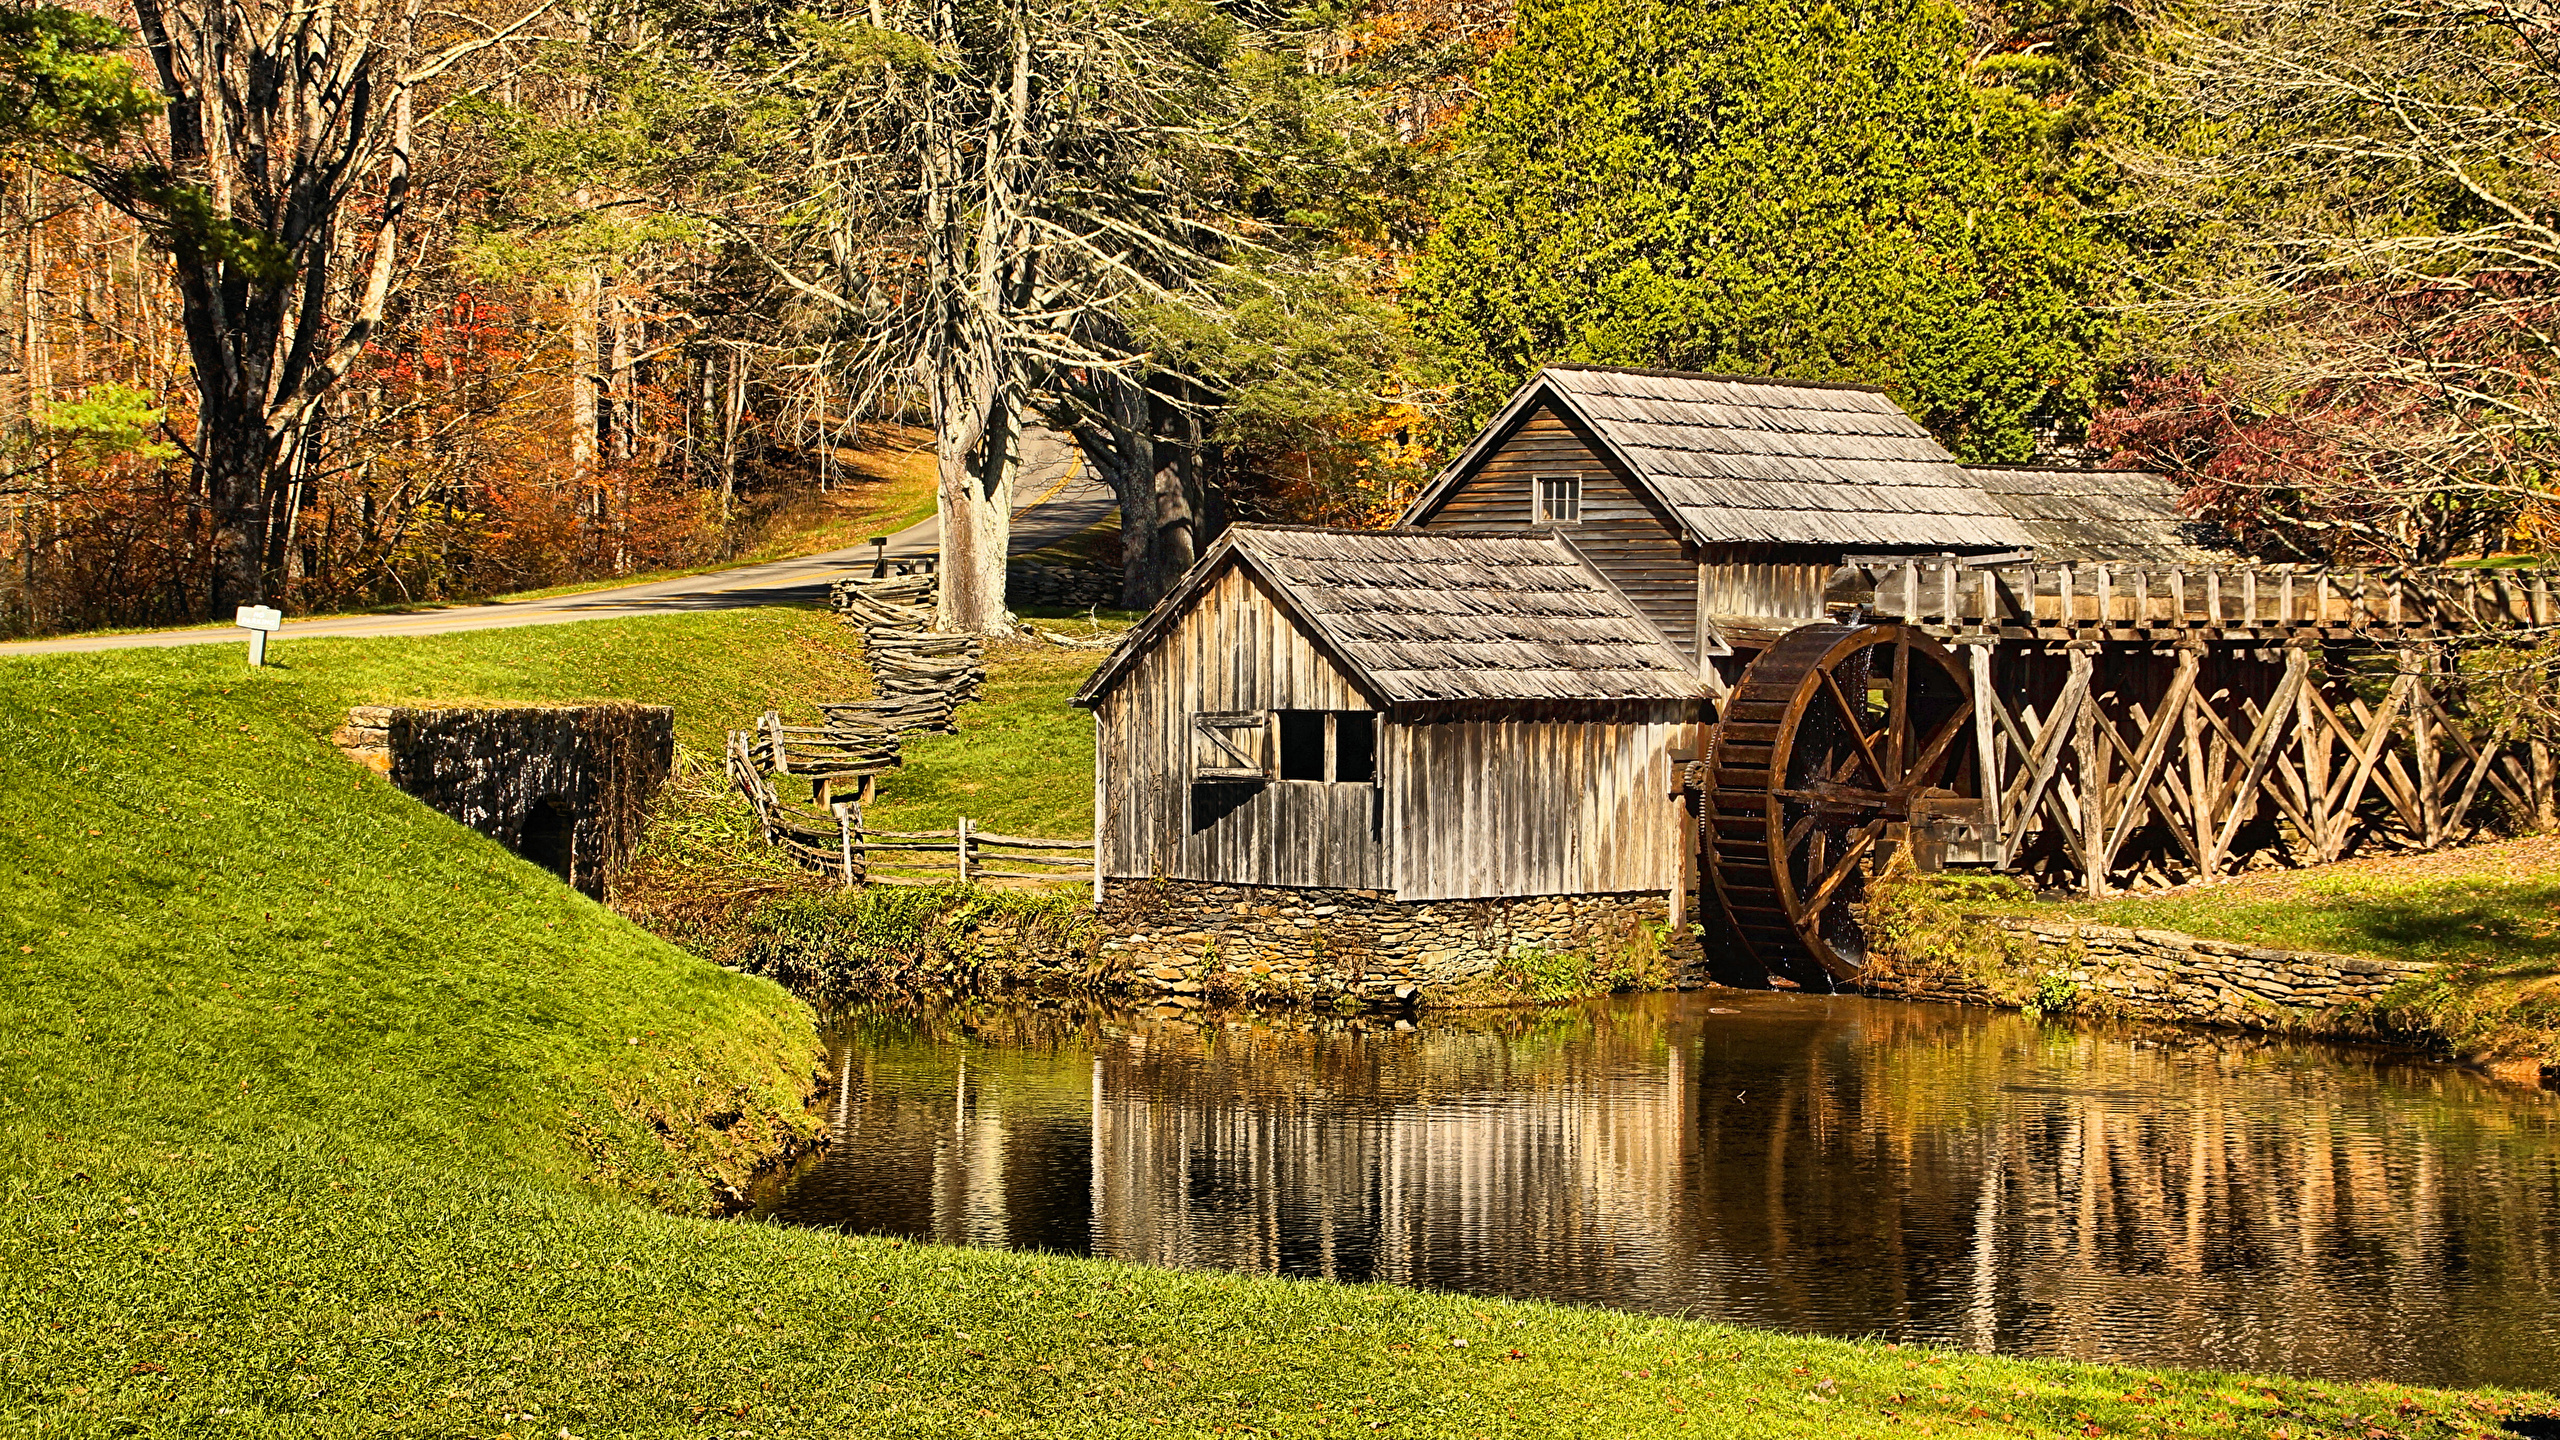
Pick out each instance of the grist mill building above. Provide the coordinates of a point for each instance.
(1663, 657)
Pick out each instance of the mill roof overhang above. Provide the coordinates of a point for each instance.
(1752, 459)
(2125, 516)
(1422, 617)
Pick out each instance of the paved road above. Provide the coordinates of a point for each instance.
(1058, 492)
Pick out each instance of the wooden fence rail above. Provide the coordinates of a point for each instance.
(832, 839)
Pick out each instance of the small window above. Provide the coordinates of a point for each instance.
(1355, 746)
(1228, 745)
(1559, 499)
(1301, 744)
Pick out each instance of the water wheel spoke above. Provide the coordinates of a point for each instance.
(1897, 710)
(1841, 868)
(1936, 747)
(1857, 728)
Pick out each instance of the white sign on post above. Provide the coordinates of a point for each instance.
(260, 621)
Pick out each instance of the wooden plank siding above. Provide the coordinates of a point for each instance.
(1628, 537)
(1234, 650)
(1539, 800)
(1764, 580)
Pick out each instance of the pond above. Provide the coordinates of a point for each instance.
(1833, 1165)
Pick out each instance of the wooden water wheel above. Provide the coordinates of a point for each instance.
(1836, 739)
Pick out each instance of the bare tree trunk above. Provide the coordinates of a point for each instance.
(733, 410)
(622, 390)
(1111, 419)
(586, 366)
(978, 448)
(1176, 485)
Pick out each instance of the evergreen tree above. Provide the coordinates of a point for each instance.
(1796, 187)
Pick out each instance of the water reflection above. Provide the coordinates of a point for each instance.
(1831, 1165)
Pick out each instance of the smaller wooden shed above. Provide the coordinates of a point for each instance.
(1424, 715)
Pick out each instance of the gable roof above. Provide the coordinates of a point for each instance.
(1419, 616)
(1754, 459)
(2121, 515)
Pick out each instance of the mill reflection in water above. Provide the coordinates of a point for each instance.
(1840, 1166)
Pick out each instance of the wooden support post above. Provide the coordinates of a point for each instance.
(2092, 781)
(2133, 796)
(2537, 754)
(1986, 736)
(963, 848)
(844, 842)
(2201, 762)
(2424, 744)
(2039, 762)
(2238, 797)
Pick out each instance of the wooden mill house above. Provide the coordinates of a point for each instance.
(1711, 649)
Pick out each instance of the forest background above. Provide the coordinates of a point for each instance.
(355, 302)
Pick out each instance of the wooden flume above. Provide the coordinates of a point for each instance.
(2097, 727)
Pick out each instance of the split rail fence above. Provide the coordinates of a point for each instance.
(919, 679)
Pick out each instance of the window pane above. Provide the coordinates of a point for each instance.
(1559, 499)
(1355, 746)
(1301, 744)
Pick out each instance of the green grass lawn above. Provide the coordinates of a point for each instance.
(323, 1116)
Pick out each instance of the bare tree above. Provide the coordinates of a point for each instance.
(2357, 204)
(279, 191)
(981, 193)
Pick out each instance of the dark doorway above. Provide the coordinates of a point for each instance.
(549, 839)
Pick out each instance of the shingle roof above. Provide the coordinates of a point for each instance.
(1750, 459)
(1439, 616)
(2122, 515)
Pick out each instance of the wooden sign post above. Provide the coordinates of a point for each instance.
(260, 621)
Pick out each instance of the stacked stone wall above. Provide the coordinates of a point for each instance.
(566, 786)
(1180, 939)
(1030, 582)
(2149, 975)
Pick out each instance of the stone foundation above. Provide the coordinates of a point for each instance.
(565, 786)
(1030, 582)
(2149, 975)
(1182, 938)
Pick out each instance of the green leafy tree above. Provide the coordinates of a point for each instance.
(65, 90)
(1816, 190)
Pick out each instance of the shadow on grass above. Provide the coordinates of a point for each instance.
(2515, 932)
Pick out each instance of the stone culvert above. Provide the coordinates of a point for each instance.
(565, 786)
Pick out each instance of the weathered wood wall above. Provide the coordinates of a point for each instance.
(1632, 540)
(1234, 650)
(1757, 581)
(1550, 799)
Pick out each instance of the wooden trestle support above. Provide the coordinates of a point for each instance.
(2095, 728)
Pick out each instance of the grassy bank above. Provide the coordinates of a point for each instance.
(2488, 916)
(323, 1116)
